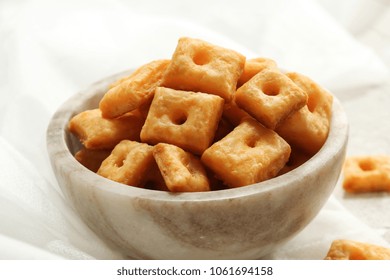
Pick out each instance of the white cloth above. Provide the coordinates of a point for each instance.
(50, 50)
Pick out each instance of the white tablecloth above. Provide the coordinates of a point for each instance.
(50, 50)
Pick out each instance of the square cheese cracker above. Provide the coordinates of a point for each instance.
(251, 153)
(367, 173)
(134, 91)
(181, 170)
(96, 132)
(197, 65)
(308, 128)
(352, 250)
(186, 119)
(270, 97)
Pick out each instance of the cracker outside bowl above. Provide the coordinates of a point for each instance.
(243, 223)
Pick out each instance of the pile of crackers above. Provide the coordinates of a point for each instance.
(206, 119)
(210, 119)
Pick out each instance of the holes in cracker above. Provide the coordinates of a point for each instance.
(120, 160)
(366, 165)
(270, 88)
(201, 57)
(179, 118)
(251, 143)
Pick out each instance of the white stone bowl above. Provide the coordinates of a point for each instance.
(243, 223)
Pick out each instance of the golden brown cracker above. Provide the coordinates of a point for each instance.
(96, 132)
(367, 173)
(270, 97)
(188, 120)
(249, 154)
(308, 128)
(197, 65)
(138, 89)
(181, 170)
(352, 250)
(254, 66)
(129, 163)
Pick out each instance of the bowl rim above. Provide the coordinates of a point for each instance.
(60, 154)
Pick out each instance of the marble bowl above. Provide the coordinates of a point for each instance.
(243, 223)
